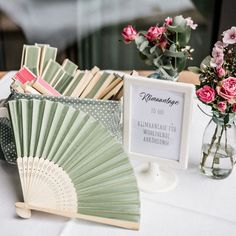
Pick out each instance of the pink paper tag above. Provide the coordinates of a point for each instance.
(24, 75)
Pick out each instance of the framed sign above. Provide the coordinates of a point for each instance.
(157, 119)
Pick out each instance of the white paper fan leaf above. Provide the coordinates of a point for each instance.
(70, 165)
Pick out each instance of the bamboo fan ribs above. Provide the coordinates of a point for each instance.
(70, 165)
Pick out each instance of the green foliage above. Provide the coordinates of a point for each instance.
(184, 37)
(175, 54)
(205, 63)
(181, 62)
(179, 25)
(167, 50)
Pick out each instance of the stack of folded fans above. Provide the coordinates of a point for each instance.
(40, 73)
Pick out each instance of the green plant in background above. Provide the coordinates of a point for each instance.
(165, 47)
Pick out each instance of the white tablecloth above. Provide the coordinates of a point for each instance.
(198, 205)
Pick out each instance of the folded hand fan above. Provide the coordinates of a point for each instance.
(70, 165)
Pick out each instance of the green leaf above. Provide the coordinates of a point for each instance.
(226, 119)
(142, 56)
(167, 67)
(183, 38)
(147, 57)
(147, 53)
(139, 40)
(181, 63)
(174, 54)
(172, 72)
(194, 69)
(205, 63)
(152, 50)
(156, 62)
(179, 25)
(172, 48)
(158, 52)
(143, 46)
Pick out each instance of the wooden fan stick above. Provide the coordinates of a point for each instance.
(24, 210)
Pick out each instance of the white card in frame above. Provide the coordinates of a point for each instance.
(157, 120)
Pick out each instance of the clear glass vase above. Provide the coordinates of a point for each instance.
(218, 149)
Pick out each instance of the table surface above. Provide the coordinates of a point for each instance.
(185, 76)
(197, 206)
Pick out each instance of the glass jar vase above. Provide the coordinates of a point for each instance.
(161, 74)
(218, 148)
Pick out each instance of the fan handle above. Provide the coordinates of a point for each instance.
(24, 211)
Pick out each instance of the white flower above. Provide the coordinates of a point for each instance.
(230, 35)
(190, 23)
(187, 47)
(218, 57)
(220, 44)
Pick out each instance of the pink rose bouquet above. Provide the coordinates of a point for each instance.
(218, 77)
(217, 89)
(164, 46)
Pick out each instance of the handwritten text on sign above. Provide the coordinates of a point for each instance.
(156, 122)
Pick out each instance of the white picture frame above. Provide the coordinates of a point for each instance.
(135, 112)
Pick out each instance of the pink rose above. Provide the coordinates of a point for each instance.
(162, 44)
(220, 72)
(230, 36)
(221, 106)
(227, 90)
(234, 107)
(129, 33)
(168, 21)
(206, 94)
(154, 33)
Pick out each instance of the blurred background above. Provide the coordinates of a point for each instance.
(89, 31)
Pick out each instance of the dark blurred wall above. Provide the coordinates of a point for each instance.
(227, 15)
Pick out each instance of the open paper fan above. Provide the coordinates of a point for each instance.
(70, 165)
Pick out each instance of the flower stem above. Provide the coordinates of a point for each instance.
(226, 140)
(176, 49)
(203, 111)
(216, 159)
(209, 149)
